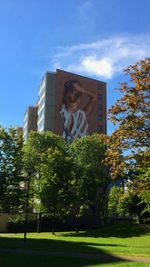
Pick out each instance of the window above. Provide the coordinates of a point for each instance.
(25, 122)
(42, 88)
(26, 115)
(100, 107)
(41, 113)
(100, 117)
(25, 126)
(41, 103)
(40, 125)
(25, 136)
(99, 87)
(99, 128)
(100, 96)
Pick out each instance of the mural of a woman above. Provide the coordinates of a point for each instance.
(75, 118)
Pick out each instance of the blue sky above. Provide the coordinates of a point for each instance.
(94, 38)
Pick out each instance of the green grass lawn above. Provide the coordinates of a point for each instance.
(108, 242)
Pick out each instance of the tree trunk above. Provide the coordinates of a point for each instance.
(103, 206)
(39, 222)
(140, 219)
(102, 216)
(53, 222)
(77, 222)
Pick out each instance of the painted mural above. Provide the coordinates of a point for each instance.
(76, 106)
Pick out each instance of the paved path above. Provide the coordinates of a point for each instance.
(99, 256)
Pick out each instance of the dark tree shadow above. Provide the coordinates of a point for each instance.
(44, 252)
(122, 231)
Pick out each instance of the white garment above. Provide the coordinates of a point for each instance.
(75, 124)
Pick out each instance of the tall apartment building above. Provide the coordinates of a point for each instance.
(69, 105)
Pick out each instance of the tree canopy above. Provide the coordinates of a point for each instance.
(131, 111)
(11, 194)
(131, 115)
(92, 177)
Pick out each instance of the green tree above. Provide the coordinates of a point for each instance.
(141, 179)
(139, 193)
(91, 177)
(144, 193)
(42, 151)
(131, 205)
(36, 144)
(133, 200)
(55, 185)
(115, 196)
(11, 194)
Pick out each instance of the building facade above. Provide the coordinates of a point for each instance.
(69, 105)
(46, 103)
(30, 121)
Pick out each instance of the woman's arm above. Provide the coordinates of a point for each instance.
(92, 99)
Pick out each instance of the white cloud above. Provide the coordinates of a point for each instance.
(99, 67)
(103, 58)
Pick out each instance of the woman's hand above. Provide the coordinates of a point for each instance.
(78, 88)
(92, 98)
(84, 91)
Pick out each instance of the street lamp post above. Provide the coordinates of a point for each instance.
(26, 207)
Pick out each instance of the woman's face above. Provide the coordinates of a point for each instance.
(75, 95)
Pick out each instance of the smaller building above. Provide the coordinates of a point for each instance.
(19, 130)
(30, 121)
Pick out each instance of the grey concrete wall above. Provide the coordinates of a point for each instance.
(50, 102)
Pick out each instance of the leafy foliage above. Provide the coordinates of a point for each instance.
(91, 177)
(114, 200)
(131, 112)
(54, 182)
(11, 194)
(45, 154)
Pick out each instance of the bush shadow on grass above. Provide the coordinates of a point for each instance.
(81, 253)
(121, 231)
